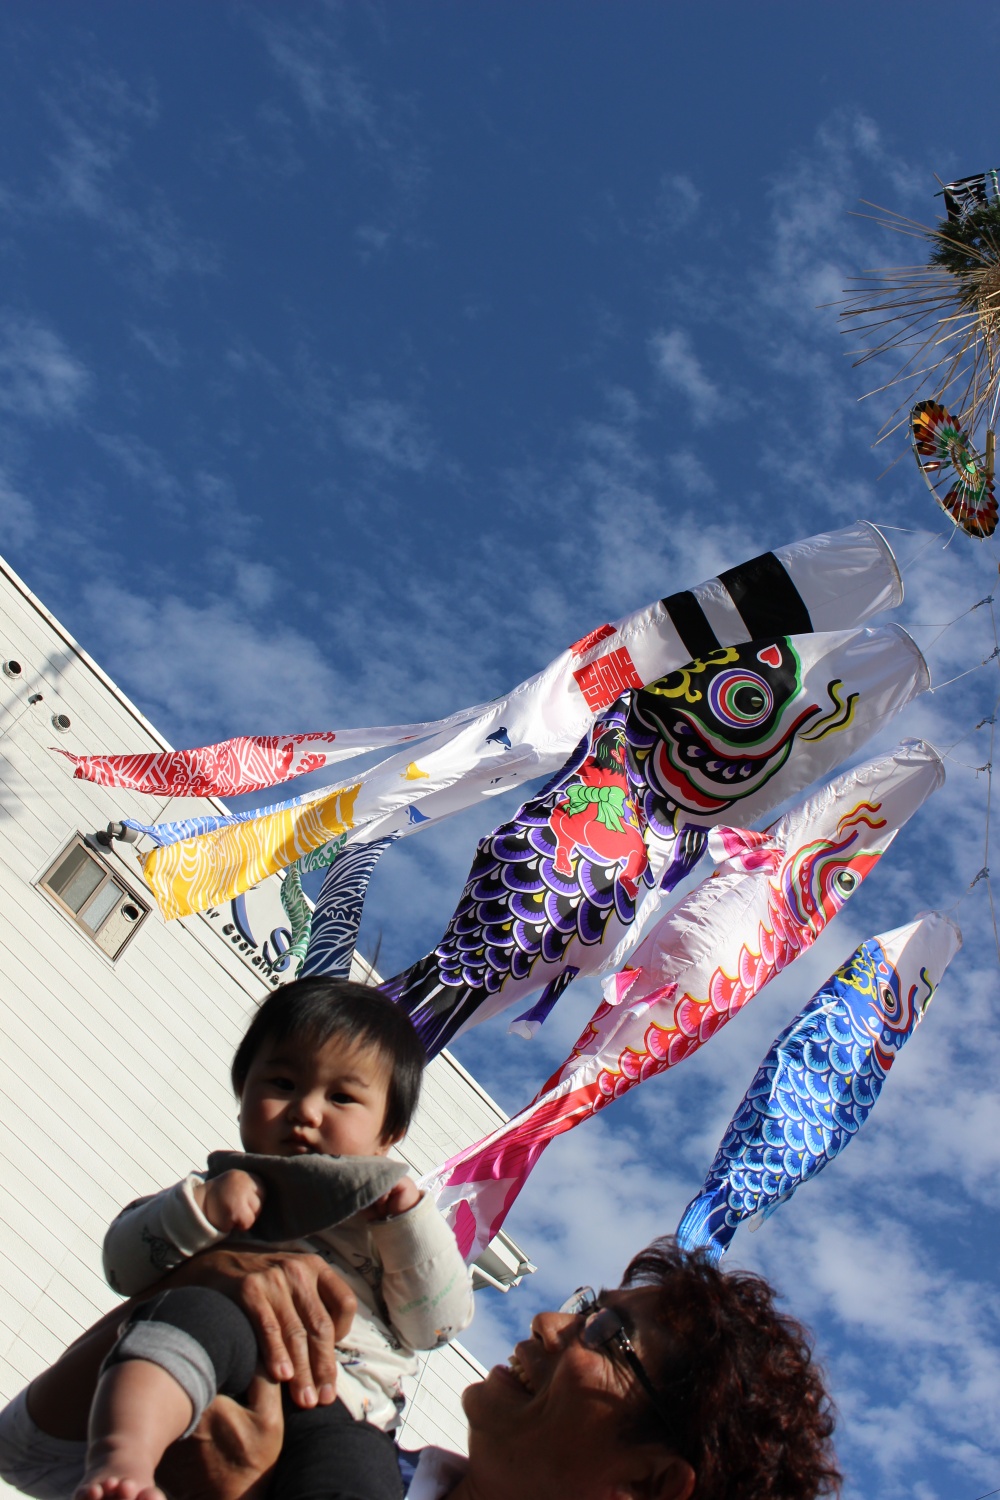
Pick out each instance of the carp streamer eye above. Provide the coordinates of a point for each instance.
(890, 1004)
(740, 699)
(845, 881)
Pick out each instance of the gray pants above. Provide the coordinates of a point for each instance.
(199, 1337)
(34, 1463)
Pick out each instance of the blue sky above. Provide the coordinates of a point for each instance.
(354, 360)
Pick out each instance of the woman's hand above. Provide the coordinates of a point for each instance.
(231, 1452)
(299, 1307)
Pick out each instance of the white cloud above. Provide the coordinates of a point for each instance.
(918, 1368)
(337, 96)
(144, 466)
(217, 506)
(90, 177)
(676, 205)
(690, 472)
(256, 584)
(328, 83)
(386, 430)
(39, 377)
(221, 665)
(677, 364)
(18, 519)
(162, 344)
(372, 239)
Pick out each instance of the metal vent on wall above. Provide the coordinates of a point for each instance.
(87, 890)
(501, 1265)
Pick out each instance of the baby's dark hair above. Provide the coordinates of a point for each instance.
(310, 1012)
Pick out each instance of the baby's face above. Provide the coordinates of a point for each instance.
(330, 1102)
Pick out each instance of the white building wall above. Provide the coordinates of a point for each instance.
(113, 1075)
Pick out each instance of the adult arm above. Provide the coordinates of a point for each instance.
(299, 1306)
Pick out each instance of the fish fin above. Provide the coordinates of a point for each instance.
(763, 1214)
(527, 1025)
(742, 850)
(701, 1222)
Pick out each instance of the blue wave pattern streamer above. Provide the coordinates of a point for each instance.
(337, 914)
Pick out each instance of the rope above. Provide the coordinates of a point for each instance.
(941, 628)
(991, 719)
(917, 555)
(15, 719)
(985, 872)
(984, 663)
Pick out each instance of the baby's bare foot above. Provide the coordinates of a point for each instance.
(137, 1412)
(119, 1471)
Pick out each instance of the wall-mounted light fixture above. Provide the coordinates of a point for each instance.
(119, 831)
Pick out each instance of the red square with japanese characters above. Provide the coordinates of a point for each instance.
(604, 680)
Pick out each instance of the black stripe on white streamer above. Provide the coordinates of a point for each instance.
(760, 591)
(337, 914)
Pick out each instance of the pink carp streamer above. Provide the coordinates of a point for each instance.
(768, 900)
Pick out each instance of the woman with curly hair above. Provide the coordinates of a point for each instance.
(685, 1383)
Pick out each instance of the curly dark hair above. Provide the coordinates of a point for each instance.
(754, 1420)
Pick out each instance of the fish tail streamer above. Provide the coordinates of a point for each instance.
(204, 871)
(248, 763)
(299, 914)
(528, 1023)
(703, 1224)
(337, 914)
(477, 1188)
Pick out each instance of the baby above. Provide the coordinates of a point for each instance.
(330, 1068)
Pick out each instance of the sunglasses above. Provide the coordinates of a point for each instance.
(604, 1331)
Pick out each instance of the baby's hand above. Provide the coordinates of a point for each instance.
(233, 1200)
(397, 1200)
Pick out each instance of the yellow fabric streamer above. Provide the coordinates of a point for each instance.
(203, 871)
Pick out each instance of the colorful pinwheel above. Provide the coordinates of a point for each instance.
(957, 476)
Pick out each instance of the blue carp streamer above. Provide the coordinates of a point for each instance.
(816, 1087)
